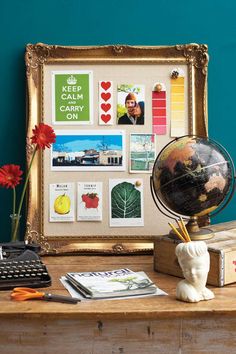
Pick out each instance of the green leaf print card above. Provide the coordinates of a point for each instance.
(126, 202)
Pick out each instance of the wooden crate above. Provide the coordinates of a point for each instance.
(222, 249)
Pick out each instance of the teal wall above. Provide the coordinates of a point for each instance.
(150, 22)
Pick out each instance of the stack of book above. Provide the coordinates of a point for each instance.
(117, 283)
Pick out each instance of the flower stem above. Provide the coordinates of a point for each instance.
(23, 194)
(14, 201)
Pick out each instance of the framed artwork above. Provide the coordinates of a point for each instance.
(113, 108)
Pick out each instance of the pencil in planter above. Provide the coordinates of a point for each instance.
(182, 234)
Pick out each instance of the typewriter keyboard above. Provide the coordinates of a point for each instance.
(23, 273)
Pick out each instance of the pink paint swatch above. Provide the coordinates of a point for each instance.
(159, 112)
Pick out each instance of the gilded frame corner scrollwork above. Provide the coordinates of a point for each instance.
(195, 56)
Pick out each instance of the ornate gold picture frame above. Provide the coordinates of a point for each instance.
(117, 63)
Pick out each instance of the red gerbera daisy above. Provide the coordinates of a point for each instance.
(10, 175)
(43, 136)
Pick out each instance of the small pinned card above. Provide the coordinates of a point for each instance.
(89, 201)
(72, 98)
(105, 103)
(130, 104)
(126, 202)
(142, 153)
(62, 208)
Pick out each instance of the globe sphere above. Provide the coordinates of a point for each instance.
(193, 176)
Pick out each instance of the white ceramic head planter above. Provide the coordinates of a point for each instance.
(194, 261)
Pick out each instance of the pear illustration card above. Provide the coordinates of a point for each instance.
(62, 205)
(126, 202)
(89, 201)
(72, 98)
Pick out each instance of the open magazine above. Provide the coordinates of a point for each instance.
(109, 284)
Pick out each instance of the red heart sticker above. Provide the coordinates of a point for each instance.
(105, 96)
(105, 85)
(105, 107)
(105, 117)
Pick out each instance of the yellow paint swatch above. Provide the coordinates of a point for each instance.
(179, 80)
(177, 98)
(176, 88)
(177, 115)
(177, 107)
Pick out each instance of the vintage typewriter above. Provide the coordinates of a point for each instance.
(21, 266)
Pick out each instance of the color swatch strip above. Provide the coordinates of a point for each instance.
(159, 112)
(177, 107)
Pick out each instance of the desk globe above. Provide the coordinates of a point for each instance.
(193, 177)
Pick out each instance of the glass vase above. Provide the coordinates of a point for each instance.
(15, 227)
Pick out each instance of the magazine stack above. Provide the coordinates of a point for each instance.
(117, 283)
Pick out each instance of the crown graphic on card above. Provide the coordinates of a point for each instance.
(71, 80)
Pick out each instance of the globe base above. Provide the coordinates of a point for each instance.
(201, 235)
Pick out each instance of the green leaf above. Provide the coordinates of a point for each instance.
(125, 201)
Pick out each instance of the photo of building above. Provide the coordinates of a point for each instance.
(88, 149)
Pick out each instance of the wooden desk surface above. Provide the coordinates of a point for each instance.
(158, 307)
(160, 325)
